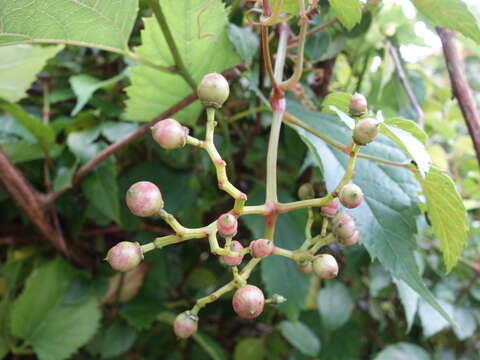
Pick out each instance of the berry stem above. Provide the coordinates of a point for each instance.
(320, 241)
(220, 164)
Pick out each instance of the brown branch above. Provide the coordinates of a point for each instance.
(406, 84)
(29, 200)
(113, 148)
(460, 87)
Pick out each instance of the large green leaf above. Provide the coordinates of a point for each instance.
(85, 85)
(105, 23)
(101, 189)
(386, 218)
(403, 351)
(447, 215)
(410, 145)
(452, 14)
(335, 305)
(200, 33)
(279, 273)
(20, 65)
(39, 316)
(300, 336)
(43, 133)
(349, 12)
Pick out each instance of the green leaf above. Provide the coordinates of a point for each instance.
(84, 86)
(279, 273)
(245, 42)
(409, 144)
(118, 338)
(447, 215)
(54, 330)
(20, 65)
(465, 318)
(349, 12)
(4, 328)
(211, 347)
(335, 305)
(43, 133)
(101, 190)
(115, 131)
(452, 14)
(409, 126)
(340, 100)
(141, 311)
(403, 351)
(409, 299)
(344, 117)
(66, 329)
(386, 218)
(63, 177)
(199, 29)
(22, 151)
(249, 349)
(57, 274)
(106, 24)
(300, 336)
(432, 322)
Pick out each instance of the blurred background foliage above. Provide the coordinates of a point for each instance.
(53, 309)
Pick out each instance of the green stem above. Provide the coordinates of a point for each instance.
(143, 61)
(162, 21)
(272, 157)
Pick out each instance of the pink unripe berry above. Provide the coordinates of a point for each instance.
(261, 248)
(358, 104)
(234, 260)
(170, 134)
(365, 131)
(227, 225)
(144, 199)
(305, 267)
(352, 240)
(306, 192)
(213, 90)
(248, 301)
(185, 325)
(329, 210)
(343, 226)
(125, 256)
(325, 266)
(351, 196)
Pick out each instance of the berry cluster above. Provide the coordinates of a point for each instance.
(145, 199)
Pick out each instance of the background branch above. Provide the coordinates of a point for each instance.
(406, 84)
(460, 87)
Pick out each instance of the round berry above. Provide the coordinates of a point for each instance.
(213, 90)
(169, 134)
(261, 248)
(358, 104)
(305, 267)
(351, 196)
(125, 256)
(352, 240)
(325, 266)
(306, 192)
(365, 131)
(144, 199)
(329, 210)
(227, 225)
(234, 260)
(185, 325)
(343, 226)
(248, 301)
